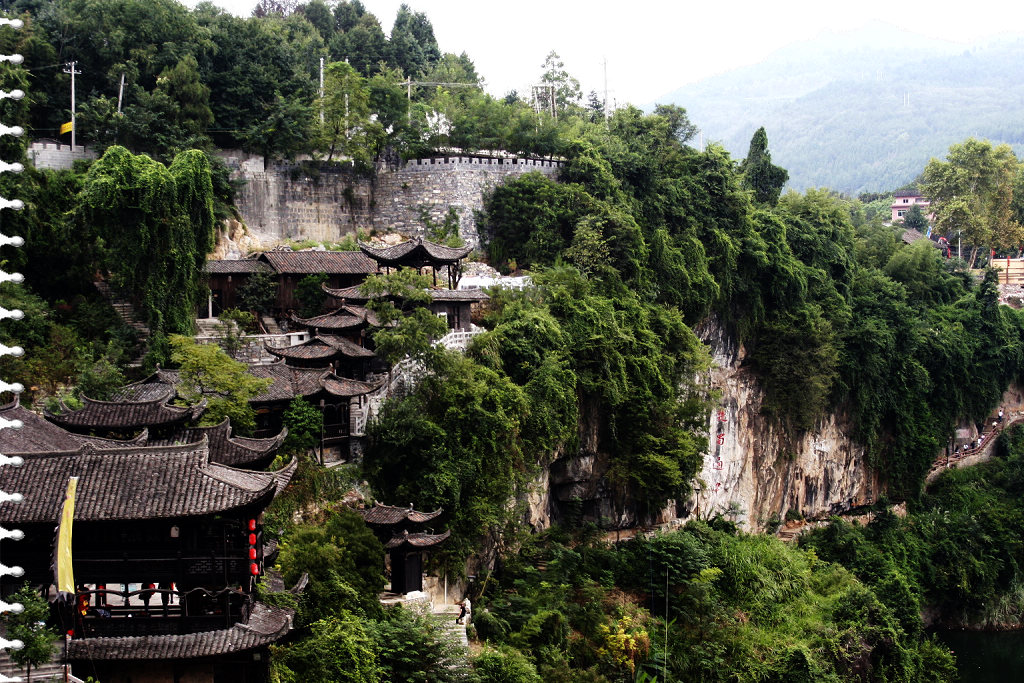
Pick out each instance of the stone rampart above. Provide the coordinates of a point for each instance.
(281, 201)
(55, 156)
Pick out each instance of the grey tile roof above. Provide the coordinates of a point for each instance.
(124, 414)
(341, 386)
(236, 266)
(288, 382)
(226, 449)
(265, 625)
(36, 434)
(415, 252)
(459, 295)
(407, 541)
(387, 515)
(131, 484)
(313, 262)
(322, 347)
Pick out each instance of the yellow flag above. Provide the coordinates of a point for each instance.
(66, 127)
(65, 573)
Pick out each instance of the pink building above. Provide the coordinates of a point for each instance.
(906, 199)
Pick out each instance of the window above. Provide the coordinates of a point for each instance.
(900, 213)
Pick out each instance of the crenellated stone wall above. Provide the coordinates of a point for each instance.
(56, 156)
(283, 201)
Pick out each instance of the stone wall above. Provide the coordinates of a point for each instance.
(281, 201)
(55, 156)
(434, 185)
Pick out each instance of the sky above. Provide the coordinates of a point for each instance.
(644, 49)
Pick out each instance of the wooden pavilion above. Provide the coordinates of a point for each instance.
(167, 547)
(402, 532)
(418, 253)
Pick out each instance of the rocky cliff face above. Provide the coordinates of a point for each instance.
(759, 472)
(753, 473)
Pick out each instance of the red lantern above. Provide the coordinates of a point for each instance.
(252, 539)
(252, 553)
(255, 569)
(252, 525)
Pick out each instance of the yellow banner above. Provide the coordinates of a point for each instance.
(65, 573)
(66, 127)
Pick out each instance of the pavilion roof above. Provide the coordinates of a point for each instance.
(322, 347)
(475, 294)
(389, 515)
(139, 483)
(125, 414)
(265, 625)
(290, 382)
(37, 434)
(407, 541)
(415, 253)
(353, 293)
(312, 262)
(344, 318)
(225, 449)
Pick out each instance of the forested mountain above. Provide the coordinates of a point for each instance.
(865, 110)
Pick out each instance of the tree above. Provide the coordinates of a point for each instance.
(410, 328)
(338, 651)
(566, 88)
(183, 85)
(258, 293)
(310, 295)
(305, 424)
(915, 219)
(347, 128)
(413, 47)
(759, 174)
(156, 225)
(29, 627)
(972, 194)
(207, 373)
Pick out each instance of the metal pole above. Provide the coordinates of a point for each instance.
(69, 68)
(120, 93)
(321, 90)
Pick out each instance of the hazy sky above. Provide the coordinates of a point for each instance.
(654, 46)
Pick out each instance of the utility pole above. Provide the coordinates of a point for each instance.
(605, 91)
(120, 93)
(69, 68)
(321, 91)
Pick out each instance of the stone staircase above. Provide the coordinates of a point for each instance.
(270, 325)
(123, 308)
(455, 635)
(47, 673)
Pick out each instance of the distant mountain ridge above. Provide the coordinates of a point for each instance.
(863, 110)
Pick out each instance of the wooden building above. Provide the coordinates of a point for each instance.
(225, 277)
(126, 417)
(328, 350)
(419, 254)
(402, 532)
(167, 546)
(454, 305)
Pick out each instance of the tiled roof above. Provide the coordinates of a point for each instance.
(387, 515)
(313, 262)
(415, 252)
(131, 484)
(236, 266)
(340, 386)
(323, 347)
(265, 625)
(289, 382)
(124, 414)
(459, 295)
(353, 293)
(150, 389)
(36, 434)
(346, 317)
(226, 449)
(407, 541)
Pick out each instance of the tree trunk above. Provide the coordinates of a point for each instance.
(973, 258)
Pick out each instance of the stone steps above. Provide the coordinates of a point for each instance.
(47, 673)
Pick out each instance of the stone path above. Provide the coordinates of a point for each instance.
(975, 455)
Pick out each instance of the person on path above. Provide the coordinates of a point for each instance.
(462, 612)
(1000, 413)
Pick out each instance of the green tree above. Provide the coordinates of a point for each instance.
(207, 373)
(347, 129)
(156, 225)
(258, 293)
(29, 626)
(413, 647)
(505, 665)
(565, 88)
(759, 174)
(310, 295)
(915, 219)
(339, 650)
(972, 194)
(407, 326)
(305, 424)
(183, 85)
(412, 47)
